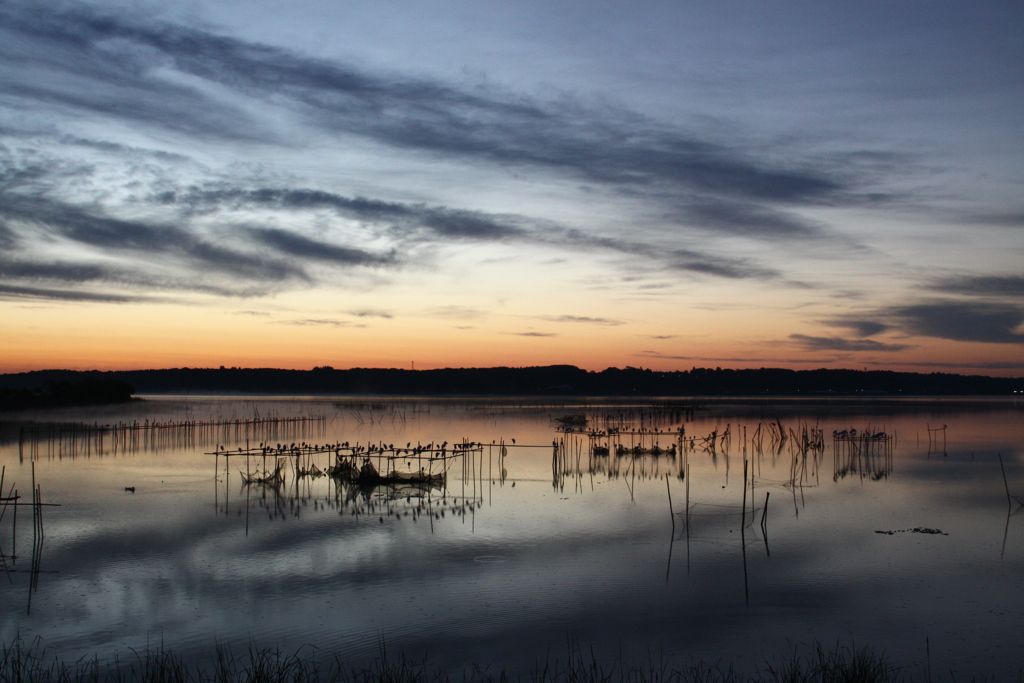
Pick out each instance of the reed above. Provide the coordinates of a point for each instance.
(30, 662)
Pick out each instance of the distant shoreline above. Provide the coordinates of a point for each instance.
(545, 381)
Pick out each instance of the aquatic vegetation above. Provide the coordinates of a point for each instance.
(31, 662)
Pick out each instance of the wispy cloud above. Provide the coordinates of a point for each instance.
(962, 321)
(810, 343)
(371, 313)
(1014, 219)
(952, 319)
(580, 319)
(294, 244)
(318, 322)
(113, 64)
(982, 285)
(860, 327)
(15, 292)
(455, 312)
(211, 88)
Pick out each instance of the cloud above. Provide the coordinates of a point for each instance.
(686, 259)
(580, 319)
(8, 239)
(962, 321)
(1014, 219)
(455, 312)
(955, 320)
(442, 221)
(117, 148)
(860, 327)
(75, 60)
(161, 254)
(662, 336)
(982, 285)
(115, 65)
(532, 334)
(371, 313)
(63, 271)
(112, 235)
(294, 244)
(839, 344)
(748, 219)
(317, 322)
(16, 292)
(659, 257)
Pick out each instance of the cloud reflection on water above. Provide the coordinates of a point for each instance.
(590, 563)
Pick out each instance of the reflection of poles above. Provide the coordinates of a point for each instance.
(1006, 531)
(671, 514)
(743, 536)
(764, 524)
(687, 520)
(672, 538)
(933, 438)
(743, 514)
(1009, 504)
(14, 529)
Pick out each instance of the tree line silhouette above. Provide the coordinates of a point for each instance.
(68, 386)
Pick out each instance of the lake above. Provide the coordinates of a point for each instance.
(645, 539)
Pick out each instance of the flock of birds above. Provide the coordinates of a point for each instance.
(852, 433)
(338, 448)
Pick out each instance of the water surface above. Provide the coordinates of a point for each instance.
(533, 547)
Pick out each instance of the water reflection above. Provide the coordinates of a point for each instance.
(559, 531)
(9, 506)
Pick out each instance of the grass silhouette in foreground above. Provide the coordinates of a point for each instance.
(23, 662)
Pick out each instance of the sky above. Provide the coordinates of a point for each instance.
(661, 184)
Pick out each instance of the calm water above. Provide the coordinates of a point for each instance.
(532, 550)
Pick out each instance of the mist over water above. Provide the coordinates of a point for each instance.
(525, 548)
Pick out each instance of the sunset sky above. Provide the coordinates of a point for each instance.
(662, 184)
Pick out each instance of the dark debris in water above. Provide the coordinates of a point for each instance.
(915, 530)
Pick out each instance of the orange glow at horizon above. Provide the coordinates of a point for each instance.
(119, 337)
